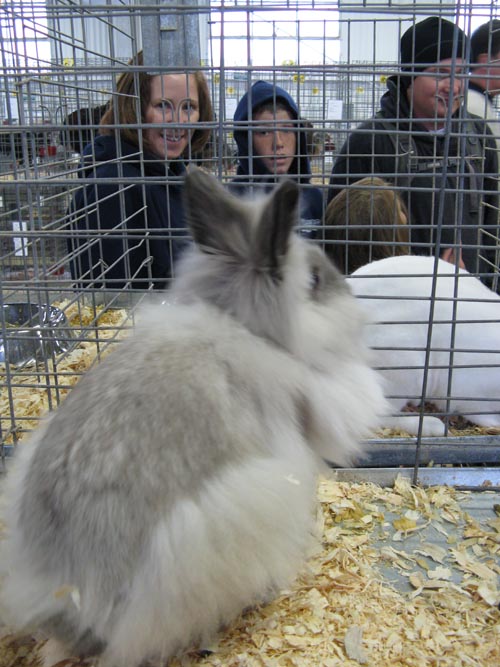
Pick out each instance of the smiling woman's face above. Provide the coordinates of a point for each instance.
(174, 101)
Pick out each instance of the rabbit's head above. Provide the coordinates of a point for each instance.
(248, 262)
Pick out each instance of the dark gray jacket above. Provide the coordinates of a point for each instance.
(430, 183)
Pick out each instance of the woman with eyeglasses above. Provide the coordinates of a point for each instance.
(126, 221)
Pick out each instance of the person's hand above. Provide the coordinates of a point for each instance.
(449, 255)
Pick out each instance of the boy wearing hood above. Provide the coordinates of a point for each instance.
(272, 145)
(424, 142)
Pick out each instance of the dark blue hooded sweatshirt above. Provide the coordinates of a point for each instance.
(128, 227)
(252, 174)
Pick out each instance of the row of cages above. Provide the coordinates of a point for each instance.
(437, 337)
(39, 163)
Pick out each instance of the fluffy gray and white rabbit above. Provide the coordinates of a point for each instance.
(175, 485)
(464, 357)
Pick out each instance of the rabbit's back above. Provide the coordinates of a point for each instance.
(398, 291)
(413, 276)
(157, 418)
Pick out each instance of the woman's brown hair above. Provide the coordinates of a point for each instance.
(365, 222)
(122, 107)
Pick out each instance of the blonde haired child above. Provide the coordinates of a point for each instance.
(365, 222)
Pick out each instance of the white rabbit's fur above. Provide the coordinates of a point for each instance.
(398, 291)
(175, 486)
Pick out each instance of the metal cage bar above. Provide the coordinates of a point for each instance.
(61, 64)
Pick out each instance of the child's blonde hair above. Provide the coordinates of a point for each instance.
(365, 222)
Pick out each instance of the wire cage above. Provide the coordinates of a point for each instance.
(406, 559)
(61, 64)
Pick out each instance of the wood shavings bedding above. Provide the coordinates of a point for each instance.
(33, 390)
(344, 610)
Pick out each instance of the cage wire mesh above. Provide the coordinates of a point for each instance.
(61, 63)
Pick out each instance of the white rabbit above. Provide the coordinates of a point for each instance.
(398, 300)
(175, 486)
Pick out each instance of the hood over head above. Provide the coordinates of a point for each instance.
(261, 93)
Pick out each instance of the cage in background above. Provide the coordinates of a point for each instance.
(60, 66)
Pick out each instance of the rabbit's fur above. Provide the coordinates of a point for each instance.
(175, 486)
(399, 293)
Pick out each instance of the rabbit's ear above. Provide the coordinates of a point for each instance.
(216, 218)
(276, 224)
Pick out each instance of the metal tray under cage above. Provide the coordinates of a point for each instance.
(32, 332)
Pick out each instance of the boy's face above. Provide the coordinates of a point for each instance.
(432, 93)
(275, 140)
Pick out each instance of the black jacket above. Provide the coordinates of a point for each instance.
(128, 227)
(371, 151)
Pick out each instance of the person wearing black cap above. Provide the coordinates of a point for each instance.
(484, 83)
(424, 142)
